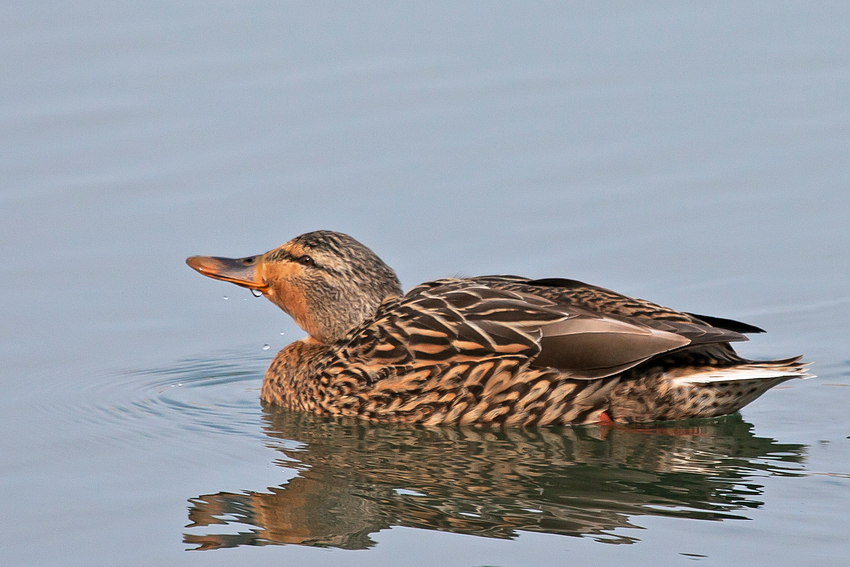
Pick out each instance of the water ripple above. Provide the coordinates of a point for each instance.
(211, 394)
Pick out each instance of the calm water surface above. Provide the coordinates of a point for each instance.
(695, 156)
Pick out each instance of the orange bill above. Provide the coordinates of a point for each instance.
(245, 272)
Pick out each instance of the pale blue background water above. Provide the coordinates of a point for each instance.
(695, 155)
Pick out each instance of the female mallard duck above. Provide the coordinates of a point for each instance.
(487, 350)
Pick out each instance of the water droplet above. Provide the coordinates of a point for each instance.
(266, 347)
(256, 292)
(226, 298)
(282, 333)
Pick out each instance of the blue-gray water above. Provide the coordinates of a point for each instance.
(695, 155)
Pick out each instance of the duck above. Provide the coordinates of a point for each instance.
(498, 350)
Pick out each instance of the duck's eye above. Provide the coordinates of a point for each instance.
(306, 261)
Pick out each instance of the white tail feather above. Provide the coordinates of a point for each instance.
(741, 373)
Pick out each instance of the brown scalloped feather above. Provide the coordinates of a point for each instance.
(462, 352)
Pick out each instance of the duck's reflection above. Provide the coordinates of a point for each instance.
(356, 479)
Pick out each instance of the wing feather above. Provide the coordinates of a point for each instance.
(582, 331)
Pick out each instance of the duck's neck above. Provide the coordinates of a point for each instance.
(287, 382)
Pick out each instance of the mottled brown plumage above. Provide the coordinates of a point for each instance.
(499, 350)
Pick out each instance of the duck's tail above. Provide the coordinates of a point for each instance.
(693, 393)
(720, 391)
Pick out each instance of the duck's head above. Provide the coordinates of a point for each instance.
(326, 281)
